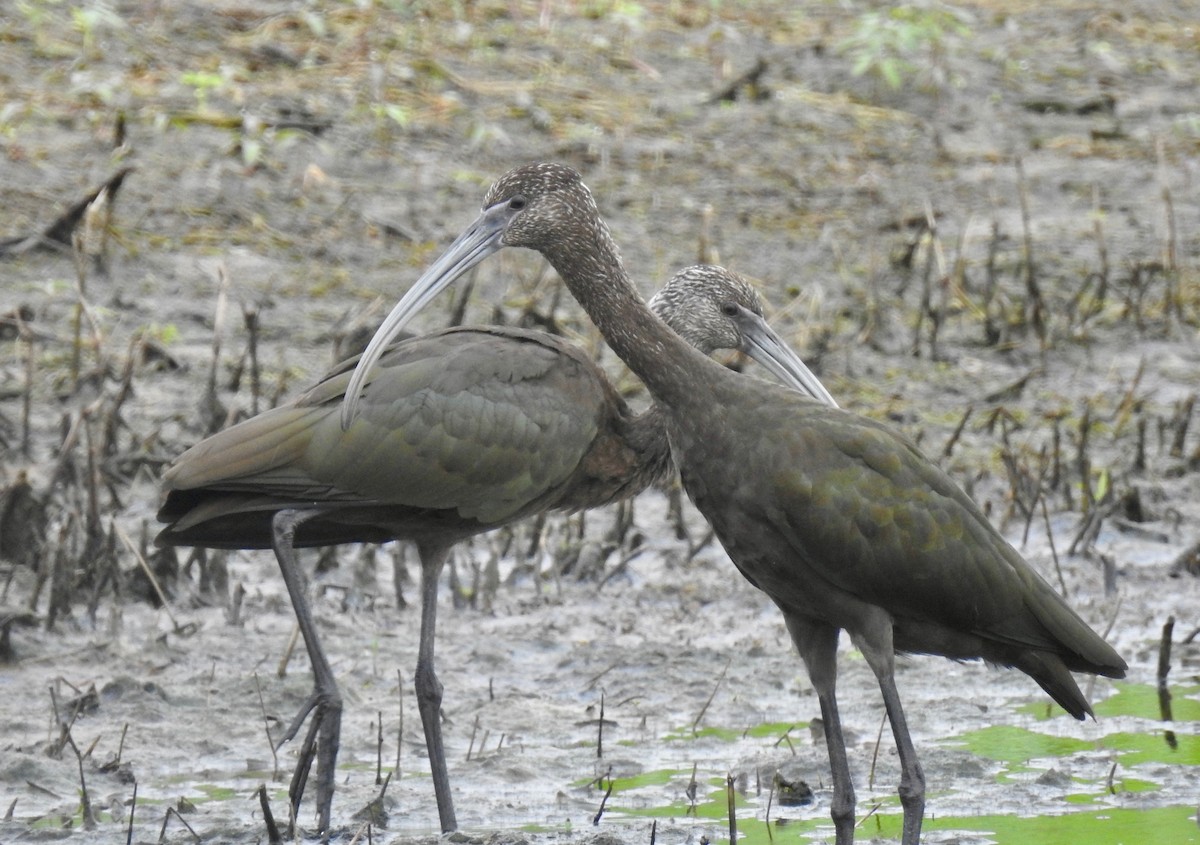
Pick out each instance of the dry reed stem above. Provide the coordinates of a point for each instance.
(85, 801)
(132, 813)
(26, 338)
(875, 751)
(250, 316)
(162, 833)
(262, 707)
(1034, 306)
(994, 326)
(1062, 584)
(273, 836)
(379, 747)
(712, 695)
(120, 532)
(600, 729)
(603, 802)
(400, 729)
(731, 803)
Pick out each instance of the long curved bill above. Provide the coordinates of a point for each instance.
(477, 242)
(769, 349)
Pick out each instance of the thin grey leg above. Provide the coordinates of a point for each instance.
(428, 687)
(817, 644)
(876, 646)
(325, 703)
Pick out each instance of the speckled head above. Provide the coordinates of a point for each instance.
(714, 308)
(547, 207)
(700, 303)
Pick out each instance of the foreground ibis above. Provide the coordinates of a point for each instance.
(839, 519)
(460, 431)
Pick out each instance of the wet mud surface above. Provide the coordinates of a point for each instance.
(296, 162)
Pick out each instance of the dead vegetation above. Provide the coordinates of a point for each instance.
(1024, 302)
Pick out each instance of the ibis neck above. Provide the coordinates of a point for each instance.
(670, 368)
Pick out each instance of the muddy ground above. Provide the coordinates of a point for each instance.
(979, 222)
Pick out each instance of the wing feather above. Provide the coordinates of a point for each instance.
(483, 421)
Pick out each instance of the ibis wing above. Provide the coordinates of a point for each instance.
(481, 421)
(872, 517)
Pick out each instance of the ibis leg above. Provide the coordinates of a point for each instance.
(428, 687)
(876, 646)
(817, 644)
(325, 703)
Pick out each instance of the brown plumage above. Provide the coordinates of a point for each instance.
(840, 520)
(461, 431)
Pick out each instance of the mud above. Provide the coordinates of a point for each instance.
(318, 157)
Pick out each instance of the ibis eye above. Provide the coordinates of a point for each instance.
(516, 203)
(730, 309)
